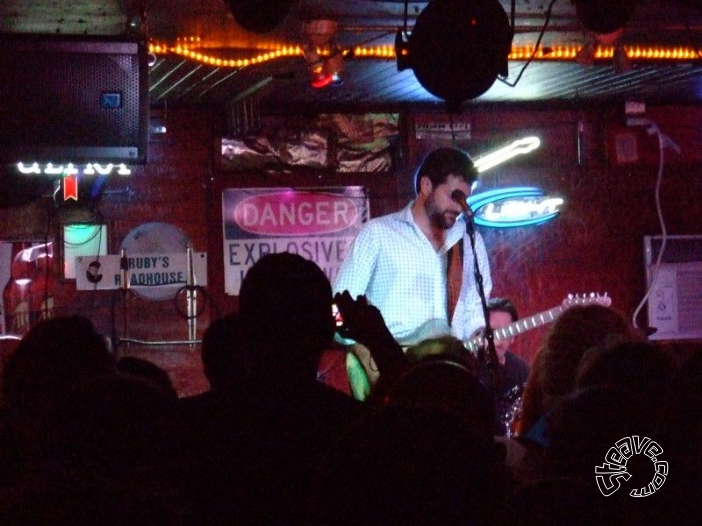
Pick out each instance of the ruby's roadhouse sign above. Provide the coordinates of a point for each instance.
(317, 223)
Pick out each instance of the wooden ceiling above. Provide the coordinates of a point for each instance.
(209, 27)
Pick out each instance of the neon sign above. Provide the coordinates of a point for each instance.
(71, 169)
(518, 147)
(514, 207)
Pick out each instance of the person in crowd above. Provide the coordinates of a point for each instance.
(443, 383)
(143, 368)
(53, 357)
(642, 369)
(110, 453)
(224, 357)
(507, 371)
(417, 265)
(226, 366)
(256, 455)
(83, 443)
(582, 428)
(555, 366)
(405, 463)
(553, 377)
(679, 430)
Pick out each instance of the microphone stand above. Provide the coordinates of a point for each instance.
(489, 359)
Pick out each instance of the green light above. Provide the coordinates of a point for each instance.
(78, 234)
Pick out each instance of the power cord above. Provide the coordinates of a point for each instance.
(663, 142)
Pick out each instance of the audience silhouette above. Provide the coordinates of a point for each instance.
(52, 358)
(256, 456)
(409, 464)
(88, 439)
(149, 371)
(553, 373)
(89, 444)
(224, 358)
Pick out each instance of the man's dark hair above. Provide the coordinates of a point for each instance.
(285, 312)
(503, 305)
(441, 163)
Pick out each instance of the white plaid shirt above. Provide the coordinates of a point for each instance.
(393, 263)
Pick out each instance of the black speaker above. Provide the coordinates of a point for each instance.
(73, 99)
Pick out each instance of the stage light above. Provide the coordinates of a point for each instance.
(604, 16)
(324, 58)
(457, 49)
(320, 78)
(259, 16)
(334, 66)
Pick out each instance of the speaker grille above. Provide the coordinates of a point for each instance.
(73, 101)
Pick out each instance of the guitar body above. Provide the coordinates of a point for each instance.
(363, 372)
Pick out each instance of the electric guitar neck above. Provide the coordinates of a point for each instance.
(538, 320)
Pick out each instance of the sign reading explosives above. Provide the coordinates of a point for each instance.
(318, 224)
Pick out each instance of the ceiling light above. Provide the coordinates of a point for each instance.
(334, 66)
(457, 49)
(604, 16)
(326, 70)
(259, 16)
(320, 78)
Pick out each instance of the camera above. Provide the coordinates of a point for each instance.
(338, 318)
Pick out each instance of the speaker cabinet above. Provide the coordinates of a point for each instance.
(73, 99)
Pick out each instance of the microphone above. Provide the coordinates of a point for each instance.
(461, 199)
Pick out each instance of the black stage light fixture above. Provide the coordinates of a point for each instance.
(259, 16)
(604, 16)
(457, 48)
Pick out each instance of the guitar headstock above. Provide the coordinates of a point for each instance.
(587, 299)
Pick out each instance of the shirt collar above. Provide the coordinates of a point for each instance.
(452, 236)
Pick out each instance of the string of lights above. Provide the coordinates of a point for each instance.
(189, 49)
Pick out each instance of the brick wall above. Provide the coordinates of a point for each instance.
(595, 245)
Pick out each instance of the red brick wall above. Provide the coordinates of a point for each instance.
(595, 245)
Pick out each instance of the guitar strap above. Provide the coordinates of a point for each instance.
(454, 276)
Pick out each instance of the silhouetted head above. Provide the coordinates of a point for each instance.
(286, 314)
(587, 423)
(52, 357)
(149, 371)
(224, 356)
(642, 369)
(404, 464)
(578, 329)
(444, 384)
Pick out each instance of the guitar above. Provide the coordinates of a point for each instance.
(363, 374)
(538, 320)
